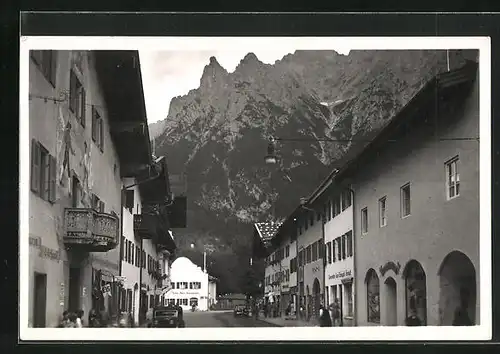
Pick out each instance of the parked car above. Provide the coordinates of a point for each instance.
(167, 317)
(241, 310)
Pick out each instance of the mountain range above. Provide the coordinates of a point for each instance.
(216, 136)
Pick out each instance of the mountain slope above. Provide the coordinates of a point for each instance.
(217, 135)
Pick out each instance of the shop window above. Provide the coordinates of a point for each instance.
(348, 297)
(416, 292)
(373, 296)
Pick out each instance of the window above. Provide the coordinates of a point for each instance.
(287, 251)
(373, 296)
(143, 258)
(132, 253)
(339, 248)
(43, 172)
(452, 178)
(308, 254)
(46, 60)
(314, 252)
(122, 248)
(129, 200)
(405, 200)
(321, 249)
(184, 302)
(196, 285)
(348, 297)
(138, 258)
(343, 240)
(97, 128)
(336, 206)
(333, 251)
(76, 192)
(329, 252)
(349, 244)
(329, 211)
(77, 98)
(382, 211)
(346, 199)
(125, 250)
(364, 220)
(151, 301)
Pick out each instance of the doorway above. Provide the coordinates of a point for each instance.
(74, 289)
(317, 297)
(391, 302)
(40, 300)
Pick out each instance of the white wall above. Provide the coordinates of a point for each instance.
(183, 270)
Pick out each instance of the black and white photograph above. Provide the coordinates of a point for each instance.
(197, 188)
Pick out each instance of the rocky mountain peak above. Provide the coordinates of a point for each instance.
(213, 74)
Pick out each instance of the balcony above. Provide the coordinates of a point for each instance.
(89, 230)
(144, 225)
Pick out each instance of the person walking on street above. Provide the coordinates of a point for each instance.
(79, 319)
(335, 313)
(324, 317)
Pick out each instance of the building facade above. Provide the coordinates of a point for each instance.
(310, 247)
(76, 170)
(417, 221)
(191, 285)
(339, 258)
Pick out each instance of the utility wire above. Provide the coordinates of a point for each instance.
(64, 97)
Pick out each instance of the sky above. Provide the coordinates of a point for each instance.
(167, 74)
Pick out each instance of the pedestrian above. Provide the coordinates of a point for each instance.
(71, 320)
(64, 320)
(94, 321)
(79, 319)
(461, 315)
(412, 319)
(324, 317)
(335, 308)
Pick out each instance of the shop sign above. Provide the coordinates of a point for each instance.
(340, 275)
(61, 295)
(184, 293)
(43, 251)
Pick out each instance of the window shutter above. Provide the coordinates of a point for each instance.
(94, 124)
(129, 200)
(52, 179)
(53, 66)
(35, 166)
(72, 92)
(82, 107)
(101, 134)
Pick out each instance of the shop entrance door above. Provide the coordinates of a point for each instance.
(74, 289)
(40, 300)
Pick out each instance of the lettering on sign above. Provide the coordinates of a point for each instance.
(185, 293)
(43, 251)
(342, 274)
(395, 267)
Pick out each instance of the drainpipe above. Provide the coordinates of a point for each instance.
(354, 268)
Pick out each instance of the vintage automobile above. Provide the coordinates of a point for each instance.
(169, 316)
(241, 310)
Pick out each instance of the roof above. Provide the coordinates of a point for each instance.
(464, 75)
(267, 230)
(442, 81)
(119, 75)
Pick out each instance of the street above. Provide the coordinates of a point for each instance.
(221, 319)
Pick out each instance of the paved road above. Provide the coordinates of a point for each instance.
(221, 319)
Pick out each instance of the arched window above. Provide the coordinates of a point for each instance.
(416, 291)
(373, 296)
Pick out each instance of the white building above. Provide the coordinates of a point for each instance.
(190, 285)
(147, 244)
(339, 265)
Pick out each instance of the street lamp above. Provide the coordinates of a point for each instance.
(271, 158)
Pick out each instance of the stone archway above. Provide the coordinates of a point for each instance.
(391, 301)
(457, 290)
(415, 291)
